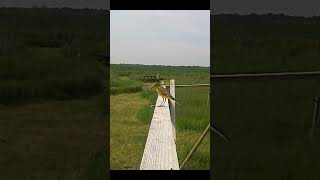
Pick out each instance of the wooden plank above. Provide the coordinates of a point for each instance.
(160, 149)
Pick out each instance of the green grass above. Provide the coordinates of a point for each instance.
(269, 124)
(52, 94)
(124, 84)
(54, 140)
(32, 69)
(255, 44)
(194, 114)
(191, 120)
(185, 74)
(128, 133)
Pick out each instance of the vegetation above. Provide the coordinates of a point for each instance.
(265, 43)
(52, 94)
(185, 74)
(268, 120)
(50, 54)
(131, 113)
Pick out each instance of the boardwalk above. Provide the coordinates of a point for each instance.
(160, 149)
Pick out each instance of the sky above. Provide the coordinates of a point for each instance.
(289, 7)
(77, 4)
(160, 37)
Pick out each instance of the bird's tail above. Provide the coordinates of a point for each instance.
(177, 102)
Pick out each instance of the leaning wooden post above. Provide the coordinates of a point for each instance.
(173, 108)
(315, 116)
(195, 147)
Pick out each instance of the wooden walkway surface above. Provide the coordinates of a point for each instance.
(160, 149)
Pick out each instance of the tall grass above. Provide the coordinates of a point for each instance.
(48, 79)
(145, 114)
(124, 84)
(49, 54)
(194, 114)
(191, 120)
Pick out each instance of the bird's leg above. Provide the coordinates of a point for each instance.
(164, 101)
(161, 102)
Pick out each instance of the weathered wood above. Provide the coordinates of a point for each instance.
(160, 149)
(173, 107)
(191, 85)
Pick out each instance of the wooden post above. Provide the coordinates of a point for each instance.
(208, 98)
(315, 116)
(173, 108)
(195, 147)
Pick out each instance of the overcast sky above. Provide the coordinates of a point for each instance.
(160, 37)
(289, 7)
(77, 4)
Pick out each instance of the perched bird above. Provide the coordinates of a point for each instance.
(163, 93)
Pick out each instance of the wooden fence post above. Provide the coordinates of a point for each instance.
(173, 108)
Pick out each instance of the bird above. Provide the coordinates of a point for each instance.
(163, 93)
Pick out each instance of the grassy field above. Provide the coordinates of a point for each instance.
(131, 115)
(268, 121)
(53, 58)
(184, 74)
(54, 140)
(191, 121)
(52, 94)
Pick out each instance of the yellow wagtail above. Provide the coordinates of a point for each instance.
(163, 93)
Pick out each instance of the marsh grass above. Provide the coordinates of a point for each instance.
(124, 84)
(45, 140)
(52, 99)
(269, 123)
(194, 114)
(268, 120)
(191, 120)
(184, 74)
(40, 54)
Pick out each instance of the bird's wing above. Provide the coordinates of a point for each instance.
(166, 92)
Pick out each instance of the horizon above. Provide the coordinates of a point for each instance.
(159, 65)
(307, 8)
(46, 7)
(76, 4)
(265, 14)
(211, 13)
